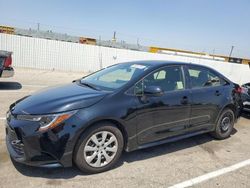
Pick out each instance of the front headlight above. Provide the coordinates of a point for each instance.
(47, 121)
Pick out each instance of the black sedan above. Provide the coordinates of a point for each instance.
(127, 106)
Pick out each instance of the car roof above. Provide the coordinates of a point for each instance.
(160, 63)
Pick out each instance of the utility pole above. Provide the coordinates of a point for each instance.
(138, 45)
(100, 38)
(232, 48)
(100, 53)
(114, 37)
(38, 26)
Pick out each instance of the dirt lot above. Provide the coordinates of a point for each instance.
(160, 166)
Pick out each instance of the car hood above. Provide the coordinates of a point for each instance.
(58, 99)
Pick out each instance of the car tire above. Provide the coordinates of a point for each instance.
(99, 148)
(225, 124)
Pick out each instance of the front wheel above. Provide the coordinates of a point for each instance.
(99, 148)
(224, 125)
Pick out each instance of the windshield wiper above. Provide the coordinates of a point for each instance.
(90, 85)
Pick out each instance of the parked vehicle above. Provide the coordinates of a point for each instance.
(6, 69)
(246, 97)
(127, 106)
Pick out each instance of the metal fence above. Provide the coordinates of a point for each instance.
(51, 54)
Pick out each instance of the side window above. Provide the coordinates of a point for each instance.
(213, 80)
(160, 75)
(169, 79)
(202, 77)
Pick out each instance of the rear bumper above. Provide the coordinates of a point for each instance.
(7, 72)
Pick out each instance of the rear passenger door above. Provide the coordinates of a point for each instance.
(207, 96)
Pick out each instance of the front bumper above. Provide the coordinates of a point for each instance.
(49, 149)
(7, 72)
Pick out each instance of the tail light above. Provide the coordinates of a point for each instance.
(8, 61)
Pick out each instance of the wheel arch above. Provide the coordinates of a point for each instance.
(219, 135)
(231, 107)
(115, 122)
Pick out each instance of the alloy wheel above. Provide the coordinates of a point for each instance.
(100, 149)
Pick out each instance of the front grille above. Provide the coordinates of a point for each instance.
(11, 134)
(18, 147)
(16, 144)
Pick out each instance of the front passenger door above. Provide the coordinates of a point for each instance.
(160, 117)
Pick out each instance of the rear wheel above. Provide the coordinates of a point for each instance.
(99, 148)
(224, 125)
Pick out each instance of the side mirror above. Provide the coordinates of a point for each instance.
(154, 91)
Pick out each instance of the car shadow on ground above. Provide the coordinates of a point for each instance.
(169, 147)
(164, 149)
(10, 86)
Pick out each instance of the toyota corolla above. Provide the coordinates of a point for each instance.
(124, 107)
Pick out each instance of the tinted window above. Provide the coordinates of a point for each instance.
(169, 79)
(202, 77)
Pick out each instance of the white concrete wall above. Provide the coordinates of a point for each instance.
(49, 54)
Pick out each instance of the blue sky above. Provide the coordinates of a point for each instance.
(199, 25)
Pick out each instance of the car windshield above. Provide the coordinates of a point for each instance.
(114, 77)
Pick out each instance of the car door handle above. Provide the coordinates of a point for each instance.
(184, 100)
(217, 93)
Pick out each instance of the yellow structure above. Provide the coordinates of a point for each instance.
(154, 49)
(157, 49)
(246, 61)
(84, 40)
(7, 29)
